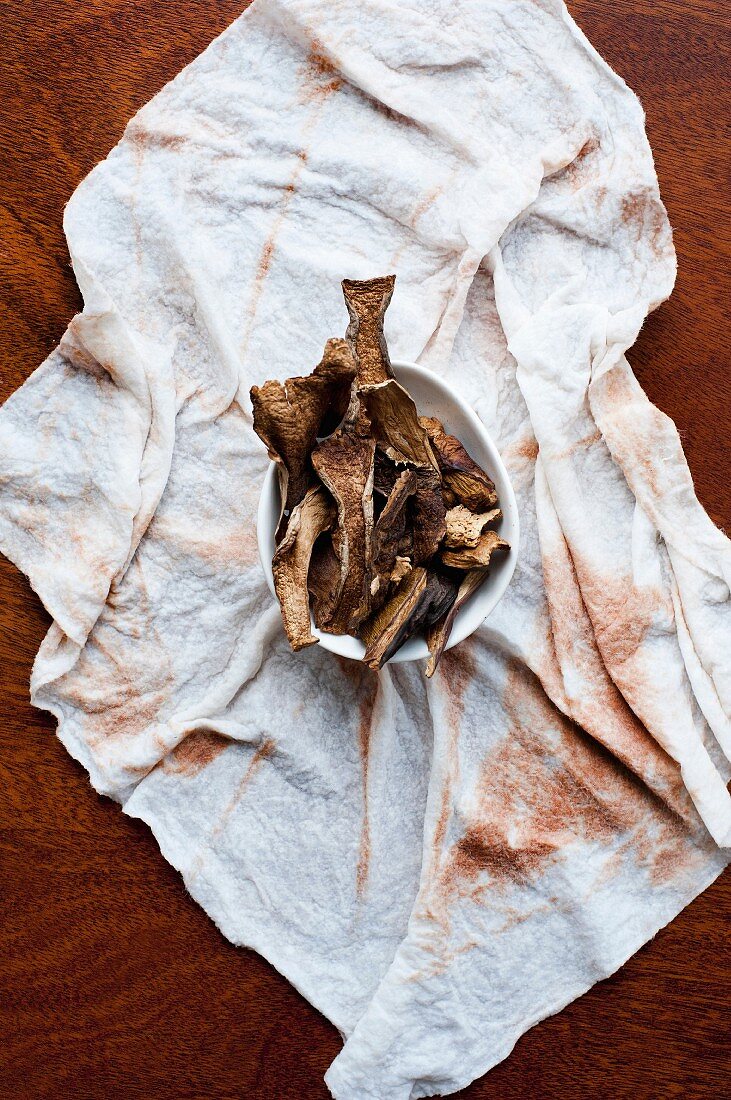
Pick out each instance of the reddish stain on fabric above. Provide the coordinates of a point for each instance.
(600, 707)
(580, 171)
(199, 749)
(365, 721)
(544, 787)
(262, 753)
(457, 670)
(521, 452)
(320, 78)
(424, 204)
(143, 139)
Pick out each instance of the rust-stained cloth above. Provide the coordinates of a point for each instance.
(435, 865)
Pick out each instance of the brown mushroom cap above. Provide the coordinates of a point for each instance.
(288, 416)
(344, 462)
(390, 627)
(464, 527)
(385, 474)
(387, 534)
(421, 598)
(290, 565)
(475, 557)
(401, 568)
(395, 424)
(460, 473)
(324, 581)
(438, 633)
(367, 301)
(428, 515)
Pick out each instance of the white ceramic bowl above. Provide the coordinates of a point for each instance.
(433, 397)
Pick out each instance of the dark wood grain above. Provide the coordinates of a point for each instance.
(112, 981)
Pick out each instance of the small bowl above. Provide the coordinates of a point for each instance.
(433, 397)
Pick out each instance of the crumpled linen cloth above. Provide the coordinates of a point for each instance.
(435, 865)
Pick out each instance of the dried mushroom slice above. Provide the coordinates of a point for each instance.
(464, 527)
(420, 599)
(438, 633)
(288, 417)
(461, 475)
(344, 463)
(431, 425)
(324, 581)
(356, 419)
(395, 424)
(385, 474)
(391, 626)
(401, 568)
(367, 301)
(314, 515)
(442, 592)
(387, 534)
(428, 515)
(406, 544)
(475, 557)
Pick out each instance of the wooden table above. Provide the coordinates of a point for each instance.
(112, 981)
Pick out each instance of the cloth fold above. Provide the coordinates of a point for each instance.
(436, 866)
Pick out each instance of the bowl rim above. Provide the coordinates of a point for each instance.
(465, 624)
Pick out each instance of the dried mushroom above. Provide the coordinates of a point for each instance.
(344, 464)
(387, 534)
(475, 557)
(464, 527)
(367, 301)
(395, 424)
(406, 544)
(429, 515)
(437, 634)
(460, 473)
(442, 592)
(385, 474)
(314, 515)
(384, 525)
(401, 568)
(393, 624)
(288, 417)
(324, 581)
(421, 599)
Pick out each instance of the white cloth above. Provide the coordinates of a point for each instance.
(436, 866)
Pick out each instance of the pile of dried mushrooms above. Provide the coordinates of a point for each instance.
(385, 523)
